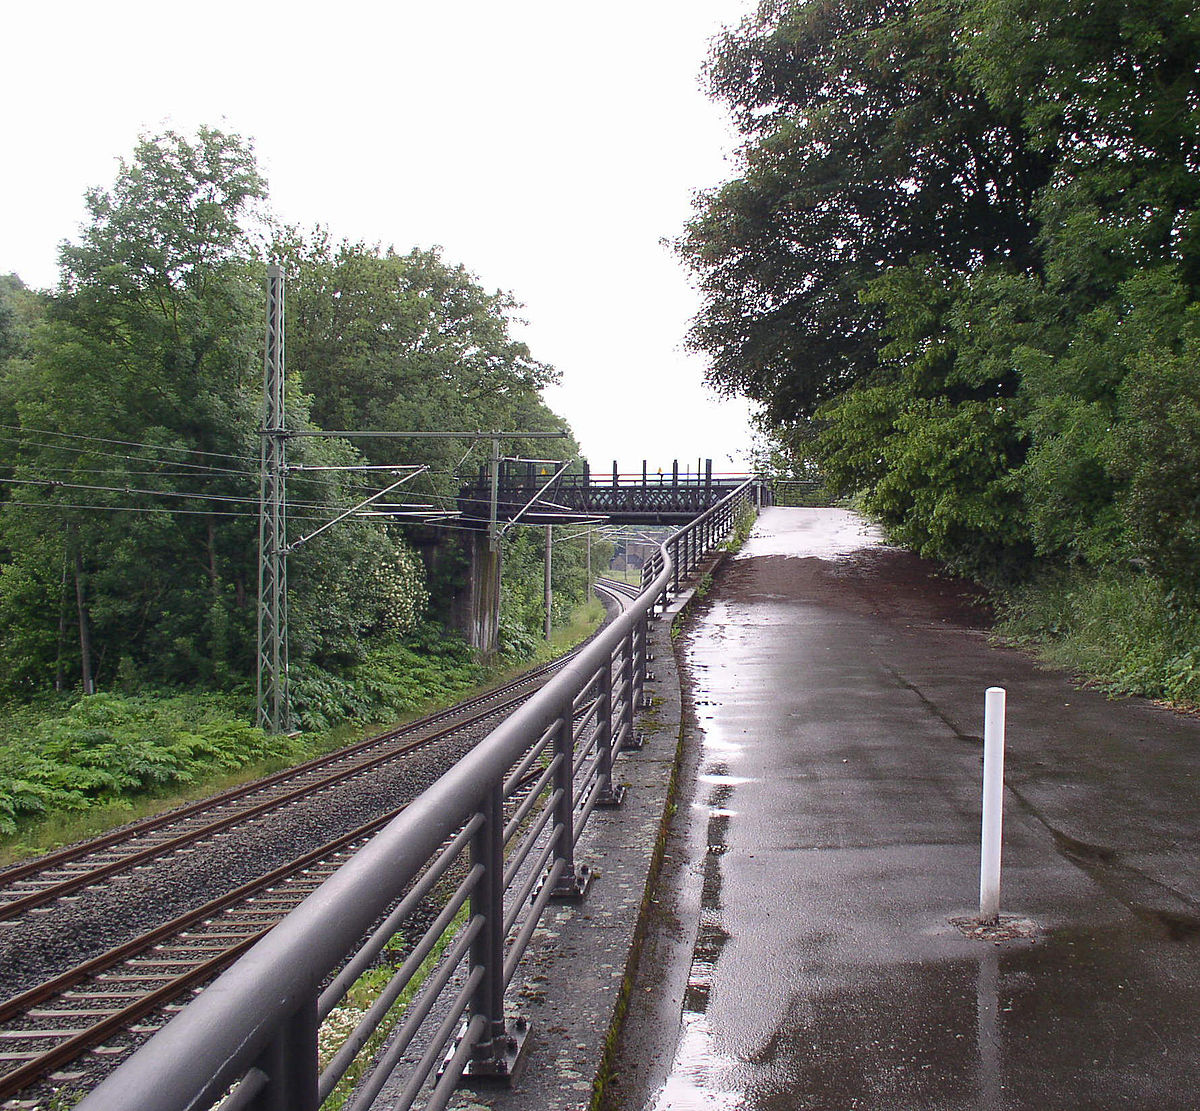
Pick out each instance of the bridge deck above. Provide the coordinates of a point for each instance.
(656, 500)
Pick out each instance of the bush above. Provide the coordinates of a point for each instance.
(397, 677)
(109, 746)
(1125, 632)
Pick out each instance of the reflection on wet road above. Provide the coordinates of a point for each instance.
(835, 834)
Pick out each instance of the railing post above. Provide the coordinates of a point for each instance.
(574, 879)
(290, 1065)
(628, 701)
(494, 1053)
(642, 656)
(608, 796)
(487, 949)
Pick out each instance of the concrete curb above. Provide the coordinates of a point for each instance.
(574, 982)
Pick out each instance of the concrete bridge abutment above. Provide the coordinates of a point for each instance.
(464, 583)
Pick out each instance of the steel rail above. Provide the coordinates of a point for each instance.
(479, 709)
(66, 1051)
(110, 1022)
(104, 1024)
(69, 853)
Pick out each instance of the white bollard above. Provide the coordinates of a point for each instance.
(993, 804)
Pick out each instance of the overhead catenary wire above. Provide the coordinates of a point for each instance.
(171, 510)
(56, 484)
(451, 521)
(249, 476)
(125, 443)
(200, 468)
(460, 521)
(189, 495)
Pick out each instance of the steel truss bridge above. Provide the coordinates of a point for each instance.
(534, 495)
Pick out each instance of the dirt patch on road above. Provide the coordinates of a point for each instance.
(889, 583)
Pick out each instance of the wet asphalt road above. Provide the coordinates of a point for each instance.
(804, 955)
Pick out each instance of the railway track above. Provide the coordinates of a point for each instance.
(65, 871)
(622, 591)
(112, 999)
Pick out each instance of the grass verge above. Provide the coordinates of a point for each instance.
(72, 769)
(1121, 633)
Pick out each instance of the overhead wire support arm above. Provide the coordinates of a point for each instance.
(546, 486)
(354, 509)
(561, 434)
(391, 468)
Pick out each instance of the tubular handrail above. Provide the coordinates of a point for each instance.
(255, 1029)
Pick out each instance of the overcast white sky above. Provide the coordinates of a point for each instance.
(549, 146)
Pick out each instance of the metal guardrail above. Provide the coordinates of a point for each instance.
(487, 847)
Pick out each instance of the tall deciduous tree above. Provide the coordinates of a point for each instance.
(407, 342)
(136, 521)
(143, 388)
(864, 146)
(395, 342)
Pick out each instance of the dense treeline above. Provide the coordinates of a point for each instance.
(959, 268)
(130, 400)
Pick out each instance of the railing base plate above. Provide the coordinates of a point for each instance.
(505, 1057)
(612, 798)
(573, 888)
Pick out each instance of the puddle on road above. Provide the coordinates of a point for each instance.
(699, 1075)
(723, 780)
(812, 533)
(694, 1083)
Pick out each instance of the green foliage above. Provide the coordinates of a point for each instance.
(865, 145)
(129, 546)
(394, 342)
(364, 992)
(742, 528)
(140, 397)
(21, 311)
(965, 238)
(959, 266)
(518, 641)
(130, 401)
(1156, 454)
(395, 677)
(932, 440)
(522, 588)
(108, 746)
(1121, 630)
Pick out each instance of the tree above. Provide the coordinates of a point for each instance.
(408, 342)
(864, 146)
(143, 394)
(391, 342)
(21, 309)
(128, 533)
(932, 440)
(1109, 93)
(965, 238)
